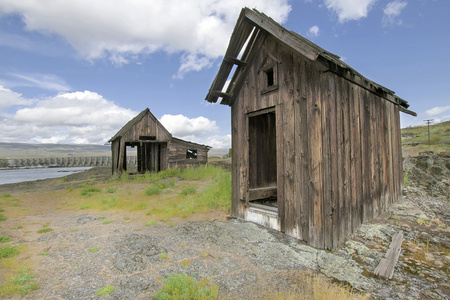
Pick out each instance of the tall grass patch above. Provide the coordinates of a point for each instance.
(182, 286)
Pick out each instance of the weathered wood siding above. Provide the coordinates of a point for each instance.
(177, 154)
(338, 148)
(147, 126)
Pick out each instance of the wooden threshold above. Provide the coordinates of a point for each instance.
(262, 193)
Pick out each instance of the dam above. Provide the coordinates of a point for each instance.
(90, 161)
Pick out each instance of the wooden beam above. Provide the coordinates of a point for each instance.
(407, 111)
(262, 193)
(235, 61)
(220, 94)
(282, 34)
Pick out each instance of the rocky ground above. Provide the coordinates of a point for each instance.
(84, 254)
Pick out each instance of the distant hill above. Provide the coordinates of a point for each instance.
(23, 150)
(415, 139)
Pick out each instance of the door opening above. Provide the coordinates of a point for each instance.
(262, 181)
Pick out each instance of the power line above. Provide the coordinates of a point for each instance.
(429, 121)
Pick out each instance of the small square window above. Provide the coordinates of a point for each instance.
(191, 154)
(269, 78)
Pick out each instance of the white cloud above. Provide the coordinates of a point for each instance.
(43, 81)
(189, 129)
(313, 31)
(437, 110)
(78, 117)
(120, 30)
(392, 11)
(9, 98)
(348, 10)
(218, 141)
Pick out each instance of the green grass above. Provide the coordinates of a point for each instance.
(163, 256)
(2, 210)
(21, 284)
(107, 222)
(90, 191)
(153, 190)
(94, 249)
(182, 286)
(167, 194)
(44, 230)
(8, 251)
(106, 290)
(4, 238)
(150, 223)
(189, 190)
(415, 139)
(44, 253)
(2, 217)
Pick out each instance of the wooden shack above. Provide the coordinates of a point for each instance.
(156, 148)
(315, 145)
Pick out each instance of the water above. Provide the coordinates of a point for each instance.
(21, 175)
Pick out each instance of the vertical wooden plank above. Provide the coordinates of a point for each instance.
(301, 147)
(280, 166)
(328, 107)
(338, 219)
(315, 191)
(121, 155)
(398, 149)
(356, 158)
(347, 214)
(391, 166)
(366, 166)
(287, 140)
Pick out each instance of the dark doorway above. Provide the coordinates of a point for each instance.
(262, 181)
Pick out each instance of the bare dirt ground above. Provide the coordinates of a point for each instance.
(83, 254)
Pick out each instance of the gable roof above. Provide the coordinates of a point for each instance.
(134, 121)
(250, 31)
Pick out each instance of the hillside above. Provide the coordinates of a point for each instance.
(22, 150)
(415, 139)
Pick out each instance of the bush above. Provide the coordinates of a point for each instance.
(153, 190)
(89, 191)
(182, 286)
(4, 238)
(8, 251)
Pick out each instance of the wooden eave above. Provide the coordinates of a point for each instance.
(187, 143)
(251, 30)
(134, 121)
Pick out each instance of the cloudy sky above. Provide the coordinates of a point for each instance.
(77, 71)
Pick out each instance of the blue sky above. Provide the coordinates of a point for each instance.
(77, 71)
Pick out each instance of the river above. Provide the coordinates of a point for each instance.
(21, 175)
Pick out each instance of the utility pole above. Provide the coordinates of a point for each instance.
(429, 121)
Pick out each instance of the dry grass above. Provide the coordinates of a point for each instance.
(309, 286)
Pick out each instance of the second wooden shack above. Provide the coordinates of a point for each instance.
(156, 148)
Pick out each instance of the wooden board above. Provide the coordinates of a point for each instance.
(387, 265)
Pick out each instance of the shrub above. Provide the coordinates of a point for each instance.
(8, 251)
(89, 191)
(21, 284)
(153, 190)
(182, 286)
(150, 223)
(188, 190)
(44, 230)
(4, 238)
